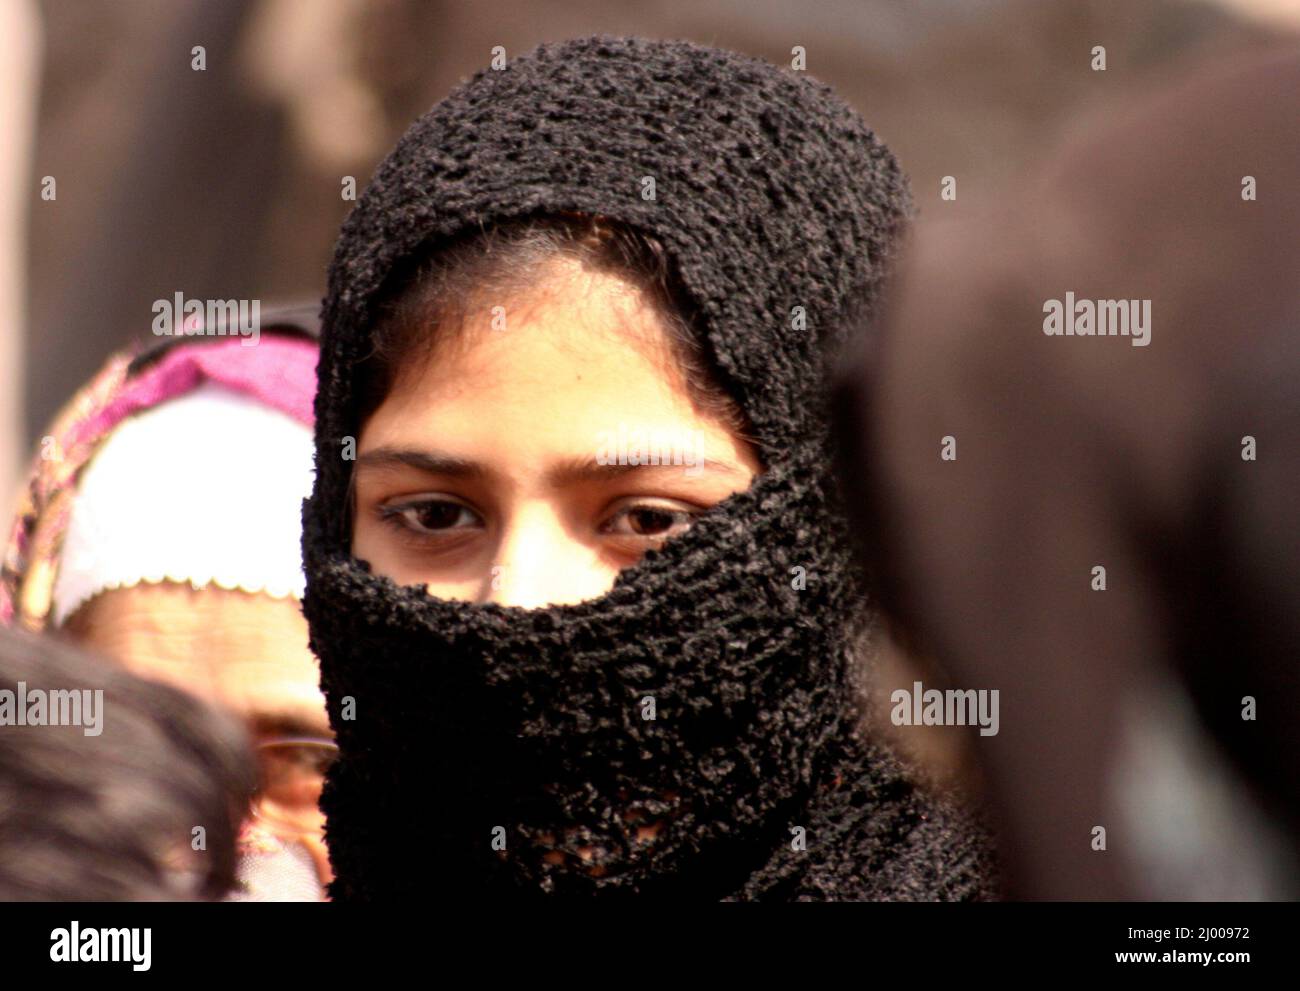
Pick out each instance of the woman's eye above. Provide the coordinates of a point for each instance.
(430, 516)
(649, 521)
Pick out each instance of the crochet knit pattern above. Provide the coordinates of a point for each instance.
(477, 723)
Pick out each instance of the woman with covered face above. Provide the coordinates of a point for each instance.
(576, 573)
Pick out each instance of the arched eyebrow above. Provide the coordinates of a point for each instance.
(430, 462)
(566, 471)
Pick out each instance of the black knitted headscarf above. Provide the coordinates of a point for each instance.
(482, 736)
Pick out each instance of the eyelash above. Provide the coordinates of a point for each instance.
(677, 514)
(397, 516)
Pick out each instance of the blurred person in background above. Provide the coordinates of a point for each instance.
(139, 800)
(161, 527)
(1115, 545)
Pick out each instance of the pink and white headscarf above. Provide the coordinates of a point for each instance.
(191, 469)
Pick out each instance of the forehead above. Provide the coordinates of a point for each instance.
(243, 650)
(580, 344)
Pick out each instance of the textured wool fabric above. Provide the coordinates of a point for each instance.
(486, 737)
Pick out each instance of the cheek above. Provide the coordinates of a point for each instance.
(372, 541)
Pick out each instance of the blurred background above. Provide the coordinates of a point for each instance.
(226, 183)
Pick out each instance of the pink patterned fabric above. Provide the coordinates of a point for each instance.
(280, 372)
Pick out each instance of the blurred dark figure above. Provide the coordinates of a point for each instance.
(110, 812)
(1172, 465)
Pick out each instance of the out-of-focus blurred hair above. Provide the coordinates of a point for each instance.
(115, 816)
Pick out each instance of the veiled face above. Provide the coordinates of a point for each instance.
(512, 467)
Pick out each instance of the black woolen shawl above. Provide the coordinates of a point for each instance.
(474, 739)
